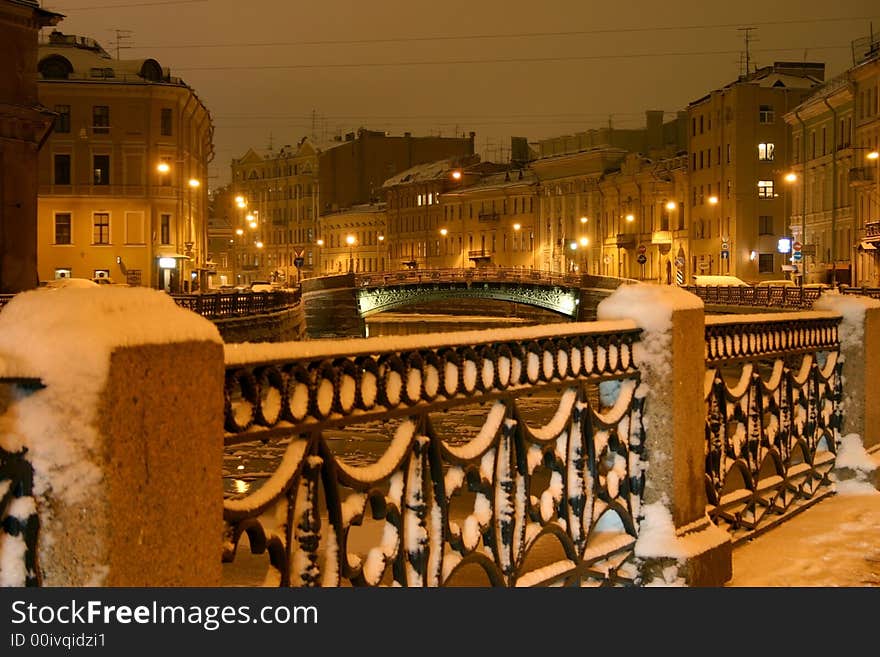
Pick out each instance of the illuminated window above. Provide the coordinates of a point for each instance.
(766, 152)
(765, 189)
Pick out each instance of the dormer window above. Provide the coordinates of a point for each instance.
(55, 67)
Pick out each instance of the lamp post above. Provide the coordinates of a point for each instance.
(443, 234)
(350, 240)
(791, 178)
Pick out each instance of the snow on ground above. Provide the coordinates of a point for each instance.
(834, 543)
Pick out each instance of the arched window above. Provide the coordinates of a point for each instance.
(55, 67)
(150, 70)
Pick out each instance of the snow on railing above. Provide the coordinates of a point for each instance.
(441, 458)
(773, 389)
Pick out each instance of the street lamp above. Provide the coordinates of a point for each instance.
(350, 240)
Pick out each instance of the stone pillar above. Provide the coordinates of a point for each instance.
(331, 307)
(859, 336)
(674, 528)
(125, 437)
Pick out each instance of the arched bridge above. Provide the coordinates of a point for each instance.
(386, 291)
(337, 305)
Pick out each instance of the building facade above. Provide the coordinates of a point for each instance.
(740, 150)
(836, 134)
(353, 240)
(287, 192)
(24, 127)
(123, 179)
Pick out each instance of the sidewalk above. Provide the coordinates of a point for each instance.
(835, 543)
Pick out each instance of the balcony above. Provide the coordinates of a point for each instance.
(860, 176)
(625, 239)
(479, 254)
(872, 231)
(661, 237)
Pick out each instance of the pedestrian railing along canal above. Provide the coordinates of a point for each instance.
(443, 509)
(773, 397)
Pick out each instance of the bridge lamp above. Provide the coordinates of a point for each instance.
(350, 240)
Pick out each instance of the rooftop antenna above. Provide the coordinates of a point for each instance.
(121, 36)
(747, 33)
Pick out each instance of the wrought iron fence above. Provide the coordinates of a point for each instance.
(521, 501)
(19, 520)
(215, 305)
(773, 392)
(774, 295)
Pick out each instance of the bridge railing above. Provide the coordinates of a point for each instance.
(773, 399)
(776, 296)
(467, 274)
(526, 456)
(216, 305)
(441, 501)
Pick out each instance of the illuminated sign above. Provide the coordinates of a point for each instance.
(784, 245)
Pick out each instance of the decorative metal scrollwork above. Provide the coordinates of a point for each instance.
(19, 522)
(773, 393)
(523, 501)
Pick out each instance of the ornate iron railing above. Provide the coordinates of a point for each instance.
(773, 391)
(776, 296)
(873, 292)
(524, 500)
(19, 521)
(215, 305)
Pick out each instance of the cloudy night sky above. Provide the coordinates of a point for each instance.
(273, 71)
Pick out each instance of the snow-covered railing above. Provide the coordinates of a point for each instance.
(218, 305)
(772, 296)
(773, 391)
(523, 499)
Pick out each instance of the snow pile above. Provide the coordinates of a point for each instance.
(851, 454)
(651, 307)
(852, 308)
(65, 338)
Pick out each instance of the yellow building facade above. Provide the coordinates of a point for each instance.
(123, 178)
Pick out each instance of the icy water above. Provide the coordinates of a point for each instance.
(246, 466)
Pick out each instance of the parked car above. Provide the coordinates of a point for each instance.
(719, 280)
(777, 283)
(69, 282)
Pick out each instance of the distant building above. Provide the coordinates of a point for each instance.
(288, 192)
(107, 207)
(24, 127)
(658, 136)
(739, 150)
(836, 136)
(354, 240)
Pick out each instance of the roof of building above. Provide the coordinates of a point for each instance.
(82, 57)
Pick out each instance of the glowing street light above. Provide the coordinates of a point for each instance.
(713, 200)
(791, 177)
(444, 232)
(320, 242)
(194, 183)
(163, 167)
(584, 220)
(630, 217)
(350, 240)
(670, 205)
(239, 231)
(456, 175)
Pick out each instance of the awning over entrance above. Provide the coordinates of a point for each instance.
(868, 246)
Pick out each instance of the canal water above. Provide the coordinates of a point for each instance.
(248, 465)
